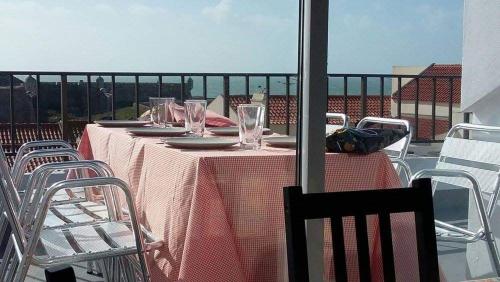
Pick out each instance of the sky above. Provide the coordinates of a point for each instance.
(365, 36)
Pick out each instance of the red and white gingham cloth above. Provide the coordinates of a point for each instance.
(220, 212)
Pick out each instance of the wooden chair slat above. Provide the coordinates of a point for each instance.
(386, 246)
(363, 248)
(338, 249)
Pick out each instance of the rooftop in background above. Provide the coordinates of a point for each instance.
(278, 107)
(409, 90)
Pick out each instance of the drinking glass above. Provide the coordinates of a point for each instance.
(161, 111)
(169, 111)
(251, 123)
(195, 114)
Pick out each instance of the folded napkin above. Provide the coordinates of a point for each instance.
(212, 118)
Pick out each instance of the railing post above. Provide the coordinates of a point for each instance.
(417, 97)
(160, 82)
(136, 96)
(205, 87)
(450, 105)
(183, 89)
(466, 120)
(268, 100)
(400, 96)
(346, 105)
(89, 100)
(13, 135)
(287, 81)
(38, 129)
(64, 107)
(382, 98)
(247, 88)
(433, 108)
(226, 95)
(113, 98)
(362, 98)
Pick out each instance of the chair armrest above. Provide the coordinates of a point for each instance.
(447, 173)
(39, 177)
(150, 242)
(403, 165)
(461, 174)
(107, 183)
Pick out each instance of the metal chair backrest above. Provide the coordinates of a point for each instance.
(339, 116)
(18, 169)
(36, 145)
(480, 157)
(398, 149)
(338, 205)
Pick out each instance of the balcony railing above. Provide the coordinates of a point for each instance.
(368, 93)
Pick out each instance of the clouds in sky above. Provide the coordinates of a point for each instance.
(219, 12)
(221, 35)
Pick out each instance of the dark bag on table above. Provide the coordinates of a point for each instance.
(362, 141)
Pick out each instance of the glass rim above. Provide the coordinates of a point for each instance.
(250, 105)
(161, 98)
(195, 101)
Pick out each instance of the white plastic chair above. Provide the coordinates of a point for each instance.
(473, 164)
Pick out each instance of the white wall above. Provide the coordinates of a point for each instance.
(481, 61)
(412, 70)
(481, 96)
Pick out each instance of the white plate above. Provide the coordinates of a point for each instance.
(122, 123)
(199, 143)
(281, 141)
(233, 131)
(156, 131)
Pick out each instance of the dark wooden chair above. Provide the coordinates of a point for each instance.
(300, 207)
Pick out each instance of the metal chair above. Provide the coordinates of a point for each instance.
(65, 209)
(71, 244)
(332, 127)
(338, 205)
(397, 151)
(473, 164)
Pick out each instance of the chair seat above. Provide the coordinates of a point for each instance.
(56, 245)
(80, 212)
(78, 193)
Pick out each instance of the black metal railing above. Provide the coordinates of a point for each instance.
(400, 99)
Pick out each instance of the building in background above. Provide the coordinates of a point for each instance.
(435, 95)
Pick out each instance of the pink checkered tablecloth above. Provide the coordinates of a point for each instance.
(220, 212)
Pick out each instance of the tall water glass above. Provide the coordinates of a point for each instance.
(169, 111)
(251, 123)
(195, 114)
(161, 111)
